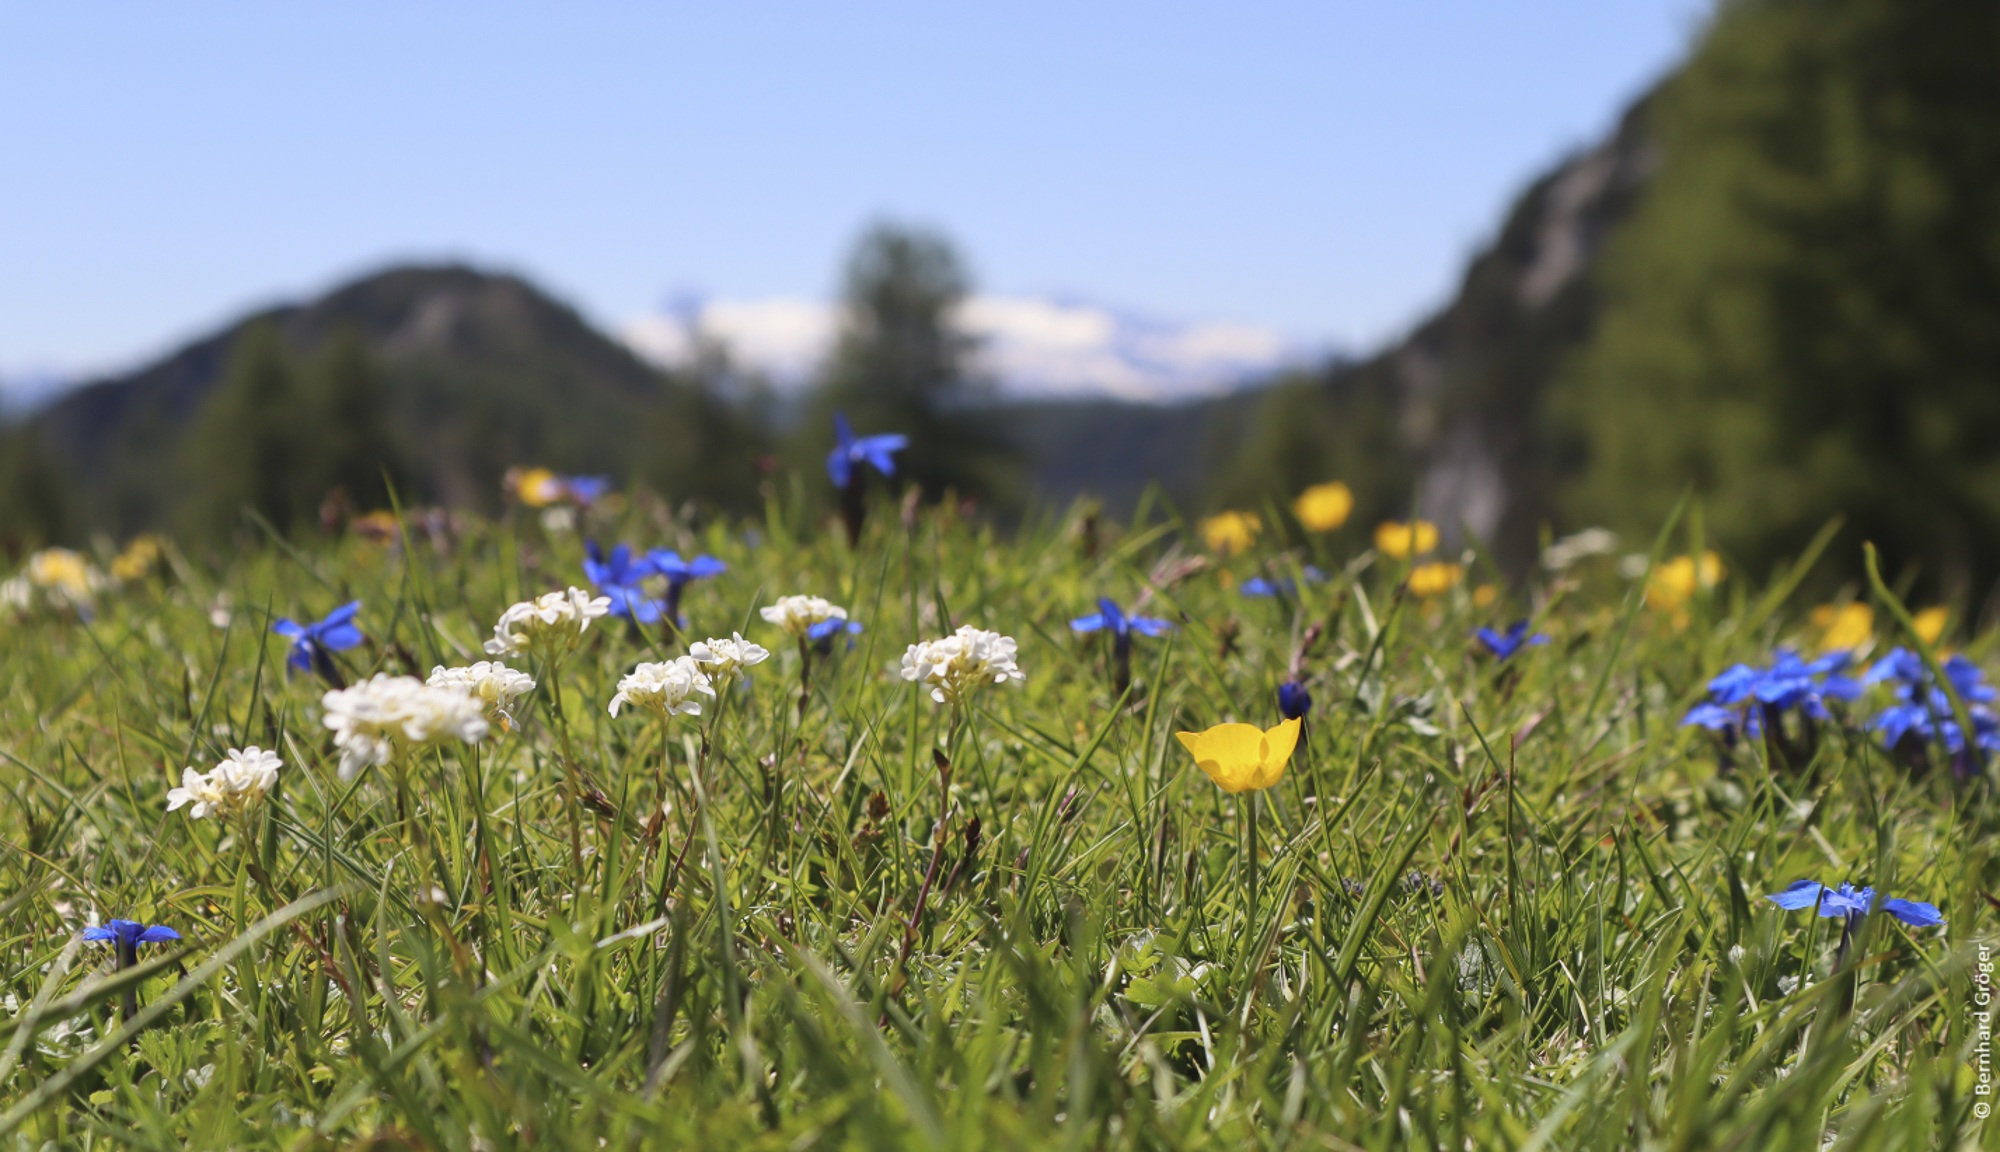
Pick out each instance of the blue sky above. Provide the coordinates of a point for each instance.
(1320, 167)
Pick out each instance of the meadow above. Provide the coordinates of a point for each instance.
(1491, 902)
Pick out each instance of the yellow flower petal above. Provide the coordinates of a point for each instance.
(1242, 757)
(1400, 540)
(1324, 507)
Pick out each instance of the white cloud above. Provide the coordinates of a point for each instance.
(1030, 346)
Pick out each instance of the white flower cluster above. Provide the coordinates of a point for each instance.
(64, 579)
(232, 787)
(666, 688)
(797, 614)
(721, 659)
(550, 624)
(490, 682)
(961, 662)
(368, 717)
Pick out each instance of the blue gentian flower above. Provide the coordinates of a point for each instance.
(822, 633)
(586, 489)
(313, 644)
(1503, 645)
(854, 450)
(679, 573)
(1293, 700)
(1283, 586)
(1110, 618)
(1744, 697)
(1854, 903)
(1923, 708)
(619, 576)
(130, 933)
(126, 936)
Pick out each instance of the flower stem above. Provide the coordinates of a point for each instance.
(572, 786)
(1250, 867)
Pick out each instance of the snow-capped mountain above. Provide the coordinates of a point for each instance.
(1031, 347)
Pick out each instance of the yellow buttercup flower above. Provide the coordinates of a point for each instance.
(1484, 595)
(538, 487)
(1930, 623)
(64, 571)
(1673, 583)
(1843, 627)
(1242, 757)
(1400, 540)
(138, 558)
(1427, 580)
(1231, 531)
(1324, 507)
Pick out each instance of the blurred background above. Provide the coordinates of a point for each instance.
(1526, 269)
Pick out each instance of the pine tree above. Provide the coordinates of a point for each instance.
(249, 443)
(1801, 315)
(36, 504)
(902, 365)
(352, 445)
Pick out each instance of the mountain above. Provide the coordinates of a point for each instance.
(480, 372)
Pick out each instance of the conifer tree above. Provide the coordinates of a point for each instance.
(249, 442)
(352, 445)
(1801, 315)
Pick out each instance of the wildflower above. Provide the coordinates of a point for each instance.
(1930, 623)
(811, 617)
(618, 576)
(234, 786)
(1242, 757)
(539, 487)
(1843, 627)
(679, 574)
(1324, 507)
(140, 556)
(1924, 710)
(1435, 579)
(1283, 586)
(965, 660)
(65, 578)
(368, 718)
(719, 659)
(313, 645)
(666, 688)
(377, 527)
(1575, 547)
(1231, 532)
(1293, 700)
(1853, 904)
(1402, 541)
(1503, 645)
(1109, 618)
(130, 933)
(1674, 583)
(1484, 596)
(550, 625)
(1753, 701)
(490, 682)
(842, 464)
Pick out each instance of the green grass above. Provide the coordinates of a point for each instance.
(1594, 967)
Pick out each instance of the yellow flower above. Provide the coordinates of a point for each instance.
(62, 570)
(1395, 538)
(377, 527)
(1231, 531)
(1427, 580)
(538, 487)
(1930, 623)
(1242, 757)
(1843, 627)
(138, 558)
(1673, 583)
(1484, 596)
(1324, 507)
